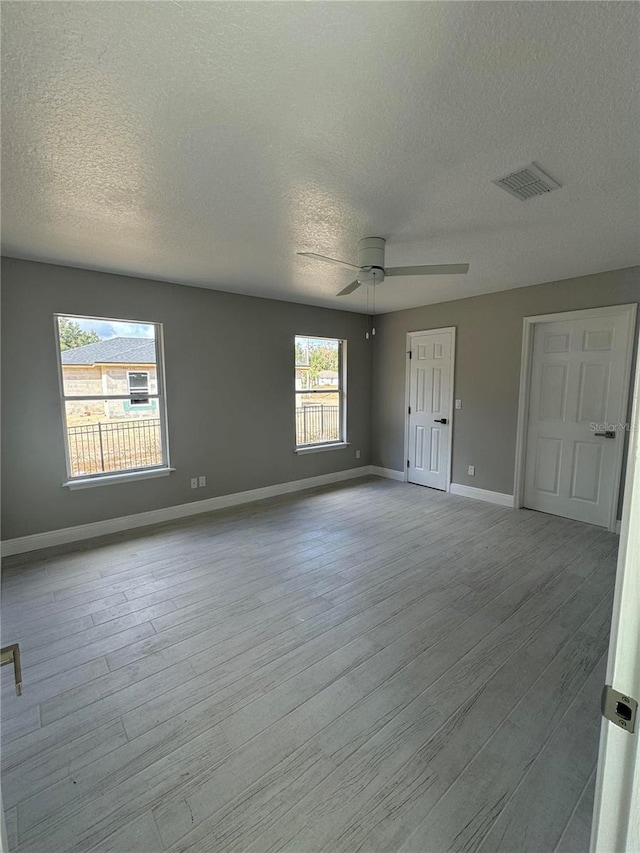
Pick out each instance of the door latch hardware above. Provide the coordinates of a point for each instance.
(609, 433)
(11, 654)
(619, 709)
(440, 420)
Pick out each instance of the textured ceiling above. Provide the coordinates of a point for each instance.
(206, 143)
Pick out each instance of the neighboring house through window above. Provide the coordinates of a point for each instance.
(320, 398)
(112, 394)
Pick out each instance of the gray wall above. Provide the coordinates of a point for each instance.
(487, 374)
(229, 386)
(229, 377)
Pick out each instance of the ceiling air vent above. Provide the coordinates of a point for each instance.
(527, 182)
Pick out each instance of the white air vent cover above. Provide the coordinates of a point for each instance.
(527, 182)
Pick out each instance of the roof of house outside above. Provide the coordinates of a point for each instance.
(113, 351)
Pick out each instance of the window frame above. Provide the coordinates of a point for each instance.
(124, 474)
(341, 390)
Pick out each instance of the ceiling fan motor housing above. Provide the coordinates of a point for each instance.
(371, 254)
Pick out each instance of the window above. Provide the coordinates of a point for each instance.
(138, 388)
(320, 410)
(112, 393)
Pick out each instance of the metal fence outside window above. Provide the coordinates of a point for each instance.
(317, 423)
(103, 447)
(98, 448)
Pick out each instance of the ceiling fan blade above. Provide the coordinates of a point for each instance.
(350, 288)
(431, 269)
(329, 260)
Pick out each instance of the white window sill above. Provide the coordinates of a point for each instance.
(112, 479)
(321, 448)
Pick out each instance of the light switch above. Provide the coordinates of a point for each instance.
(458, 404)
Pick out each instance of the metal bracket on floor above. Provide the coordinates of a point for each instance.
(11, 654)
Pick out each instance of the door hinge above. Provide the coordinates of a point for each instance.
(409, 354)
(409, 409)
(618, 708)
(407, 463)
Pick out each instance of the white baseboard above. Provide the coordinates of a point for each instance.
(389, 473)
(481, 495)
(170, 513)
(618, 526)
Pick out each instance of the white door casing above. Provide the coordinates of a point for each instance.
(576, 410)
(616, 815)
(429, 412)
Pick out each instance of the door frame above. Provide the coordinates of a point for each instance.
(526, 364)
(407, 395)
(616, 811)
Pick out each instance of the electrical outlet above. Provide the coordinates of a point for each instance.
(202, 481)
(194, 482)
(471, 470)
(458, 404)
(357, 454)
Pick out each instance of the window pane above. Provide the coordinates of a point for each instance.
(139, 380)
(317, 418)
(139, 385)
(317, 364)
(98, 356)
(112, 435)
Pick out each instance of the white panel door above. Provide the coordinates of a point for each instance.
(575, 416)
(430, 378)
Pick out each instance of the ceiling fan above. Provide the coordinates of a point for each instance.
(371, 268)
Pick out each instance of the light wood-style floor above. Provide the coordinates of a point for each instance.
(370, 667)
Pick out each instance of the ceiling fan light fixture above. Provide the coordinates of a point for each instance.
(371, 267)
(371, 252)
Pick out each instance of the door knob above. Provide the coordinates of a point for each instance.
(444, 421)
(607, 434)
